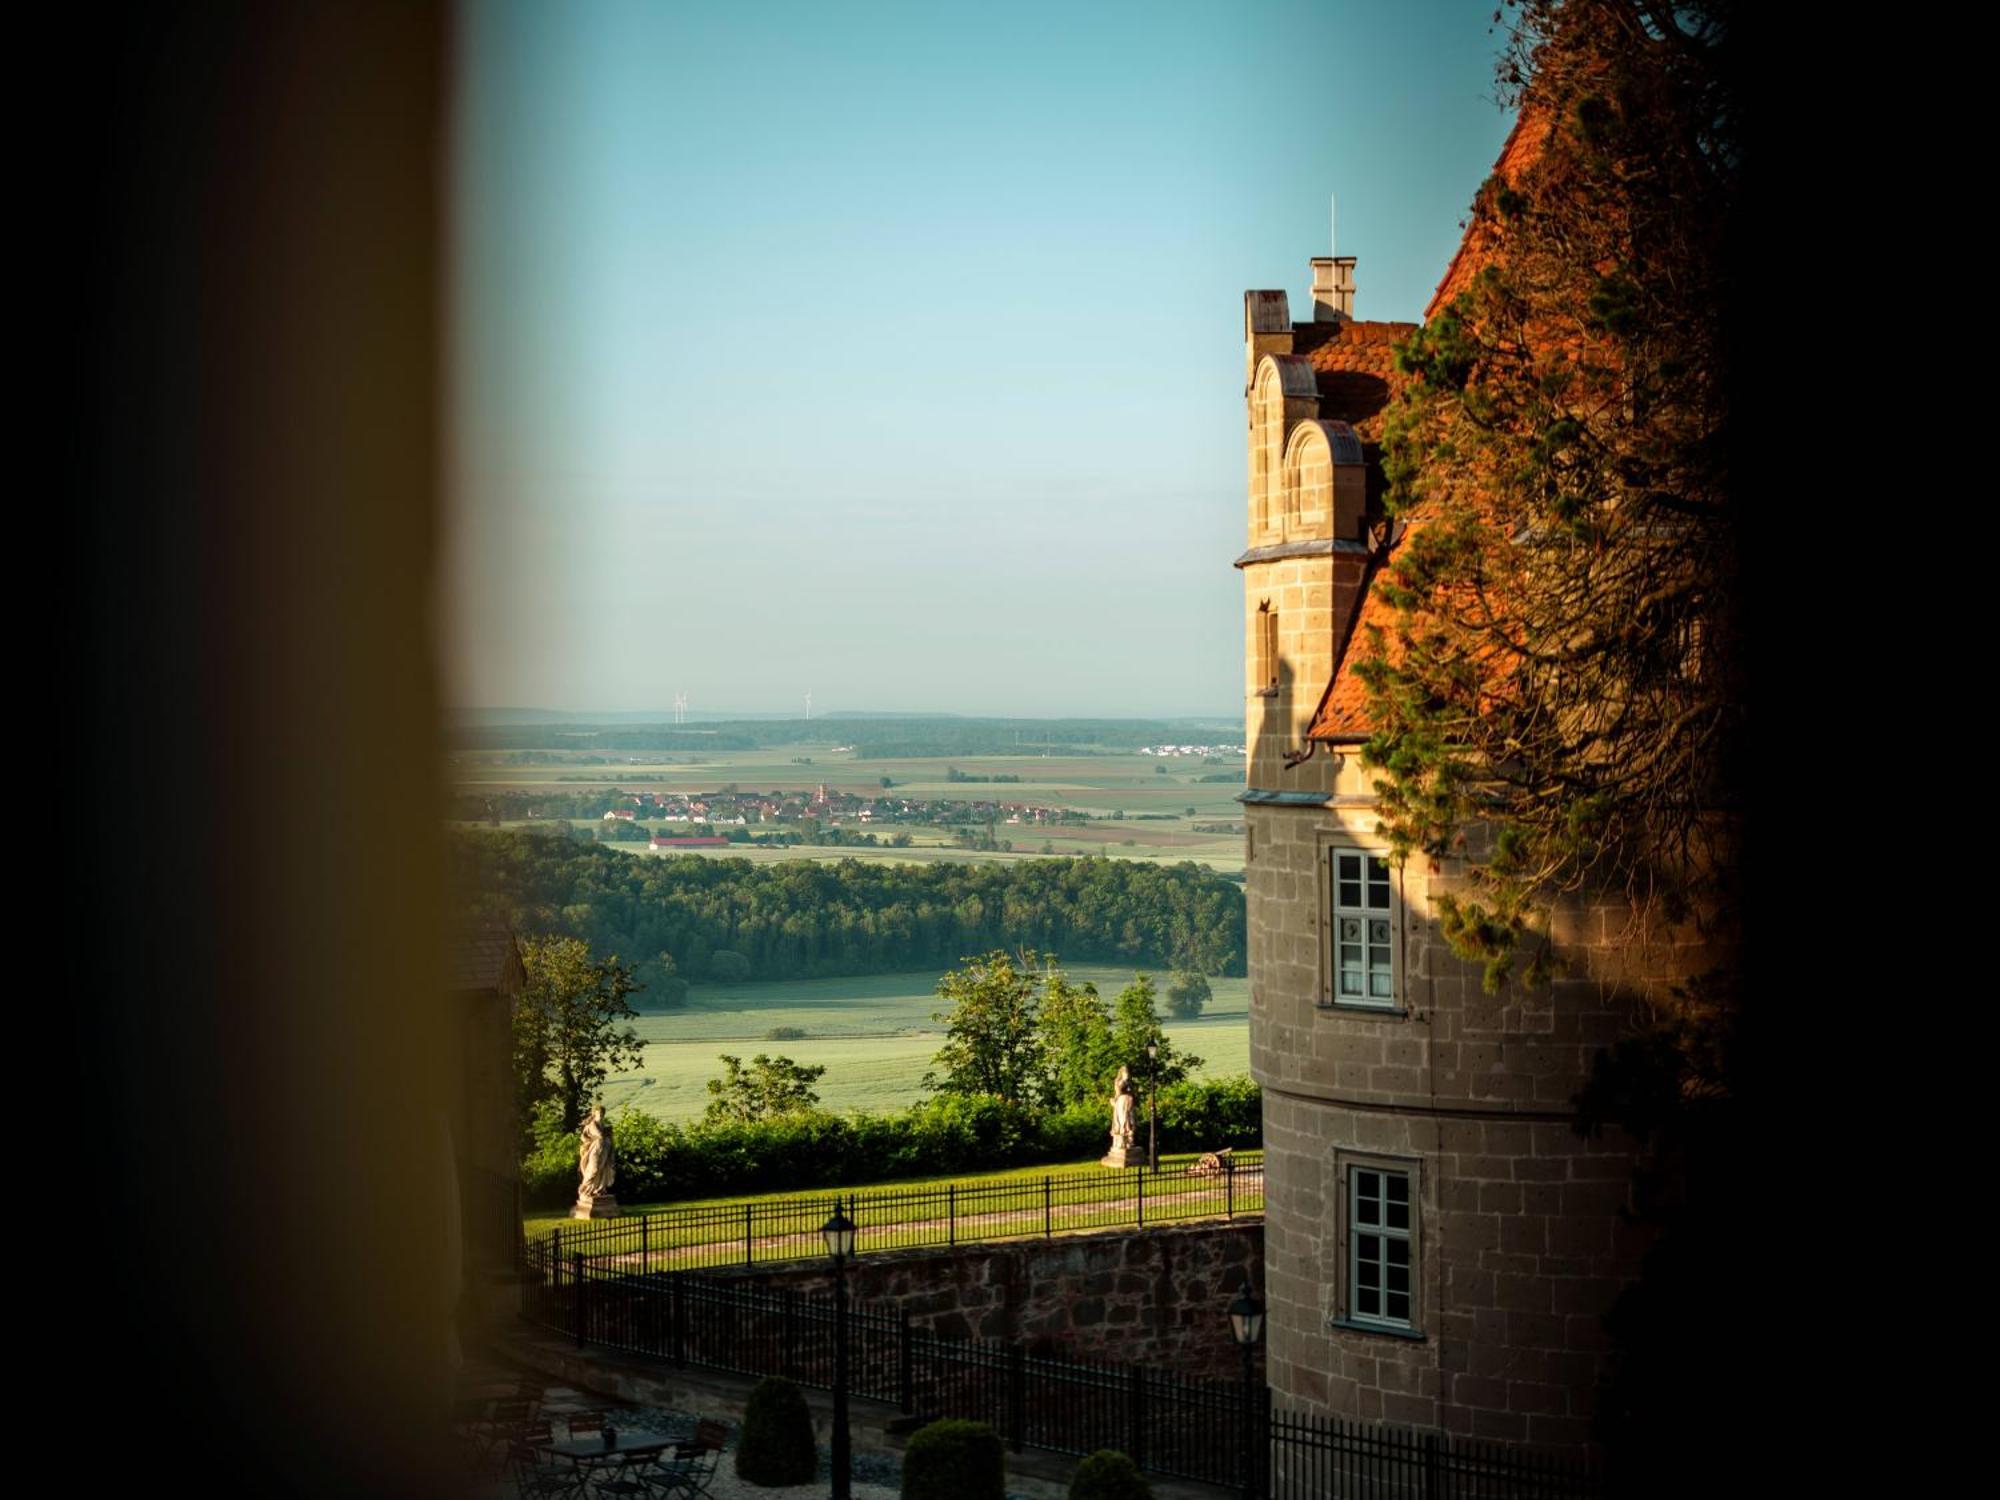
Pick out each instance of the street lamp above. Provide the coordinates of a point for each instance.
(1246, 1321)
(839, 1233)
(1153, 1105)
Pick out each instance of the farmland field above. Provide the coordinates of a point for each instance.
(1135, 810)
(874, 1034)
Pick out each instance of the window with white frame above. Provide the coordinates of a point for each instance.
(1362, 923)
(1379, 1267)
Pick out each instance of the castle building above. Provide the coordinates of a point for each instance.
(1441, 1245)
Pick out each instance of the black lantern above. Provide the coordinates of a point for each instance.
(839, 1232)
(1246, 1318)
(1246, 1321)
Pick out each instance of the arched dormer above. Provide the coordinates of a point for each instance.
(1285, 393)
(1323, 482)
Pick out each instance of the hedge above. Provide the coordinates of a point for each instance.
(662, 1163)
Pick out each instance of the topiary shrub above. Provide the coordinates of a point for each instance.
(955, 1461)
(1109, 1475)
(776, 1447)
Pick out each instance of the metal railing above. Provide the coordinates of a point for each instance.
(1205, 1430)
(1318, 1457)
(781, 1229)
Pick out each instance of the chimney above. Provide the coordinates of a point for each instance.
(1333, 288)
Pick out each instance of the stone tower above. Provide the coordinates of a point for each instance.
(1440, 1243)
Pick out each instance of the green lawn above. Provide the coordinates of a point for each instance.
(873, 1033)
(1082, 1196)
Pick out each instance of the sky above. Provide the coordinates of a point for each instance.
(894, 353)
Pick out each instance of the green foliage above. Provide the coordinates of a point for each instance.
(770, 1088)
(728, 967)
(993, 1044)
(955, 1460)
(1557, 701)
(662, 982)
(785, 1034)
(1076, 1041)
(1188, 994)
(566, 1034)
(1109, 1475)
(1136, 1024)
(659, 1162)
(1209, 1114)
(776, 1447)
(818, 920)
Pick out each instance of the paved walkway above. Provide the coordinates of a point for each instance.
(875, 1476)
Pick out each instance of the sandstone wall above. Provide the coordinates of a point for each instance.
(1154, 1296)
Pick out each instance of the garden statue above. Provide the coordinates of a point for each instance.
(1122, 1106)
(597, 1168)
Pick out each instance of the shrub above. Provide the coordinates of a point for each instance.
(776, 1447)
(660, 1162)
(955, 1461)
(1210, 1113)
(1109, 1475)
(785, 1034)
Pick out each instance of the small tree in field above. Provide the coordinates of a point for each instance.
(1188, 993)
(768, 1088)
(1136, 1023)
(993, 1042)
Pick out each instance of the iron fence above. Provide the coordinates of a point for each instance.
(1212, 1431)
(783, 1229)
(1317, 1457)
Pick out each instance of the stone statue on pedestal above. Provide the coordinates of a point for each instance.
(597, 1169)
(1122, 1106)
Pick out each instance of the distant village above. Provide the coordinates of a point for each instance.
(669, 820)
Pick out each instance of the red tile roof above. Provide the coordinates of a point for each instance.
(1524, 144)
(1355, 365)
(1342, 714)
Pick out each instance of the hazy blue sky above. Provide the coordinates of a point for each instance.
(894, 352)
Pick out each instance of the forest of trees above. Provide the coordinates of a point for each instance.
(807, 920)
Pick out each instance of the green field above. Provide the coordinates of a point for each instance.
(874, 1034)
(1097, 785)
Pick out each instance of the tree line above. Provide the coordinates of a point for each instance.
(713, 919)
(872, 737)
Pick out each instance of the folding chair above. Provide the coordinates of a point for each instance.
(690, 1472)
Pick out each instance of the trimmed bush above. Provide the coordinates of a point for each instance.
(955, 1461)
(776, 1447)
(1109, 1475)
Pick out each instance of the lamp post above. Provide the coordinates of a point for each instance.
(839, 1233)
(1153, 1105)
(1246, 1321)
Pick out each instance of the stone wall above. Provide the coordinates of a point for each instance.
(1518, 1248)
(1152, 1296)
(1519, 1251)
